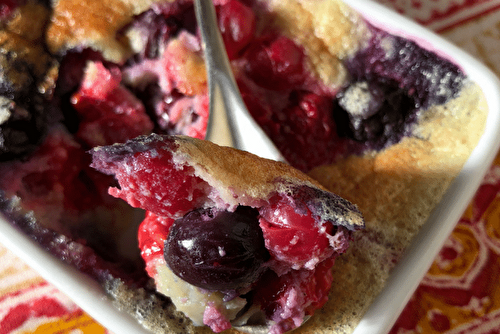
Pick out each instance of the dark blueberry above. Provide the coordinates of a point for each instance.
(378, 113)
(20, 130)
(391, 80)
(422, 74)
(158, 24)
(217, 250)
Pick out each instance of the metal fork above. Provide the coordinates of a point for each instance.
(229, 123)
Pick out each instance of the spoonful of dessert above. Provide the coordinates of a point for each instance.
(229, 123)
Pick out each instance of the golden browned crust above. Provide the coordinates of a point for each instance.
(242, 178)
(77, 24)
(239, 171)
(396, 190)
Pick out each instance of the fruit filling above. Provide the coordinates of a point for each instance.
(223, 263)
(389, 81)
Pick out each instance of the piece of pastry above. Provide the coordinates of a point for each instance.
(375, 118)
(231, 238)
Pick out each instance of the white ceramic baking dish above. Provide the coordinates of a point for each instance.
(409, 271)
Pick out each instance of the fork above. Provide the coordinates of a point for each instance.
(229, 122)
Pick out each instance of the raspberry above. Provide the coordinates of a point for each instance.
(109, 113)
(149, 177)
(293, 235)
(151, 237)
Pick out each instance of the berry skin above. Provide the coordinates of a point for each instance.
(144, 166)
(304, 130)
(151, 237)
(294, 236)
(237, 26)
(109, 113)
(275, 63)
(217, 250)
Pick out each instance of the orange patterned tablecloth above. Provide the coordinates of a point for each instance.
(459, 294)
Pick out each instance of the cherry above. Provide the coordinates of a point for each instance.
(217, 250)
(307, 131)
(275, 63)
(237, 25)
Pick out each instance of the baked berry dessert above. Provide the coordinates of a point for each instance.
(374, 117)
(230, 238)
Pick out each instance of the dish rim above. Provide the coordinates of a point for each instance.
(405, 277)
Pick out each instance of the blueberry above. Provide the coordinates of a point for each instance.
(422, 74)
(378, 113)
(217, 250)
(24, 113)
(392, 78)
(22, 129)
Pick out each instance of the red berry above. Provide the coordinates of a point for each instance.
(237, 25)
(149, 178)
(276, 64)
(109, 113)
(293, 236)
(307, 133)
(151, 236)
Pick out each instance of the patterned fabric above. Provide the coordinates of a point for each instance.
(459, 294)
(28, 304)
(440, 15)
